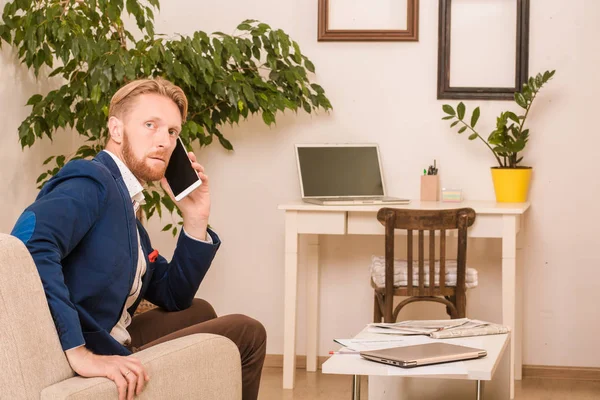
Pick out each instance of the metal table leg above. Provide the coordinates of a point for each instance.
(479, 390)
(356, 387)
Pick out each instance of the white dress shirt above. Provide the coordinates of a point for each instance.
(136, 191)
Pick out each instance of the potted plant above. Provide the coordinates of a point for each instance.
(511, 180)
(226, 77)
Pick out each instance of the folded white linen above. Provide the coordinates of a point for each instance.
(401, 271)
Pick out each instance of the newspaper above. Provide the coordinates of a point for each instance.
(440, 329)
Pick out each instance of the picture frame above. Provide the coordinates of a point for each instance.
(444, 88)
(411, 33)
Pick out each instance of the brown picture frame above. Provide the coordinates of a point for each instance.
(445, 91)
(373, 35)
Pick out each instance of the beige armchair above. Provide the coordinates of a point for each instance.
(33, 365)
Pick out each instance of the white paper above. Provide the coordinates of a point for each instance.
(439, 328)
(370, 344)
(387, 331)
(424, 326)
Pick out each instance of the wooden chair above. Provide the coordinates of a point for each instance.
(454, 297)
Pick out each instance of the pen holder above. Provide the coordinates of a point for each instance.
(430, 187)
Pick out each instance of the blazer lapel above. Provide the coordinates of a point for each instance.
(106, 160)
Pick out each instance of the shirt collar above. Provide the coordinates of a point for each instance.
(134, 187)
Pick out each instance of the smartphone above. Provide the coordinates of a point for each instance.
(182, 178)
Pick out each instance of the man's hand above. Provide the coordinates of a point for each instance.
(195, 207)
(128, 373)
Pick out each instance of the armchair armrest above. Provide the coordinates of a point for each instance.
(200, 366)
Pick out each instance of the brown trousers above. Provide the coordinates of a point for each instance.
(158, 326)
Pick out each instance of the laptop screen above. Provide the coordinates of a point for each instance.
(333, 171)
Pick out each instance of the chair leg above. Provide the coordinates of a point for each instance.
(451, 299)
(377, 314)
(388, 309)
(461, 304)
(454, 312)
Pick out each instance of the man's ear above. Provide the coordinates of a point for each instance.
(115, 129)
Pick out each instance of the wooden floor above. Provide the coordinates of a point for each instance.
(316, 386)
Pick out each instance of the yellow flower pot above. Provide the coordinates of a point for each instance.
(511, 184)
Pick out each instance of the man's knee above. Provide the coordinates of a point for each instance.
(252, 328)
(203, 310)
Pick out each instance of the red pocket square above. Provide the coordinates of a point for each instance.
(153, 256)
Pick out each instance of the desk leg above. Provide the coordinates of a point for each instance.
(312, 303)
(519, 306)
(479, 390)
(509, 248)
(290, 299)
(356, 387)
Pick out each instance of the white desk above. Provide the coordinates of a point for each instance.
(494, 220)
(385, 382)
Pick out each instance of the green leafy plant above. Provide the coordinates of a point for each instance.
(225, 77)
(510, 136)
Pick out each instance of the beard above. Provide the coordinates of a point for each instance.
(139, 167)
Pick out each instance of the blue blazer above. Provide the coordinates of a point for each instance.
(81, 233)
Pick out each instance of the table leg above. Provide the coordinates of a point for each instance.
(312, 303)
(290, 299)
(518, 335)
(480, 390)
(509, 247)
(356, 387)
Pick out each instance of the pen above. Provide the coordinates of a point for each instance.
(344, 352)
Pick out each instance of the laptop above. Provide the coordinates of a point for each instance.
(342, 174)
(423, 354)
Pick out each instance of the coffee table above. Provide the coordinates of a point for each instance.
(390, 382)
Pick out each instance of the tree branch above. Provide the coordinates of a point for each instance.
(119, 30)
(206, 109)
(484, 141)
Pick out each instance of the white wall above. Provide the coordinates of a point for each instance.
(19, 169)
(386, 93)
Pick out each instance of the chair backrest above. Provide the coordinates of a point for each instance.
(421, 221)
(31, 357)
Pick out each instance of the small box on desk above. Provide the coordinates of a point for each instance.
(451, 195)
(430, 187)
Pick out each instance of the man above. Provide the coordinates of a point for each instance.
(96, 261)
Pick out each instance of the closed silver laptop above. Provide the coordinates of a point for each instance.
(423, 354)
(342, 174)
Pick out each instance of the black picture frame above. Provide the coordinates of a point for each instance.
(445, 91)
